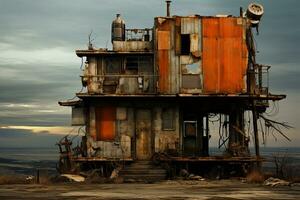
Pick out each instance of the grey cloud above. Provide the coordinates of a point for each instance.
(35, 25)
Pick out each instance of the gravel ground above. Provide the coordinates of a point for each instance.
(175, 190)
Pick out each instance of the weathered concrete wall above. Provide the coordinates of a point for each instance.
(165, 139)
(121, 146)
(126, 123)
(126, 46)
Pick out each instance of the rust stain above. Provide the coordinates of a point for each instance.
(224, 60)
(105, 126)
(163, 71)
(163, 60)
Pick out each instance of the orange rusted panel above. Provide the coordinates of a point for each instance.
(164, 42)
(163, 63)
(105, 123)
(224, 55)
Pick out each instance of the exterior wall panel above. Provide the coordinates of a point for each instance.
(224, 55)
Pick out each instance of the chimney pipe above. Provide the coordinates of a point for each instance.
(168, 7)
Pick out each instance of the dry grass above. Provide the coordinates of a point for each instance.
(12, 179)
(255, 177)
(21, 179)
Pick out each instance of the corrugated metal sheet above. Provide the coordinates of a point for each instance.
(190, 25)
(105, 126)
(224, 55)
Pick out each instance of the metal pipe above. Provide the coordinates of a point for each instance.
(168, 7)
(241, 12)
(255, 129)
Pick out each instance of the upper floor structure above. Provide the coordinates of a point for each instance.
(180, 55)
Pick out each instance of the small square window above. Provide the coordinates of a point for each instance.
(132, 63)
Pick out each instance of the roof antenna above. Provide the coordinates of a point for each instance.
(168, 7)
(90, 44)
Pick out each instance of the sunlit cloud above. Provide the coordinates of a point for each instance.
(19, 105)
(56, 130)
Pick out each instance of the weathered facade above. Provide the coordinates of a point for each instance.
(152, 95)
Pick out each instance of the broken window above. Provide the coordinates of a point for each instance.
(105, 123)
(145, 64)
(168, 118)
(113, 65)
(185, 44)
(132, 64)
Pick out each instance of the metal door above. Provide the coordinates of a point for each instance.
(143, 134)
(190, 138)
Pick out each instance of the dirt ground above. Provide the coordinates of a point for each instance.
(206, 190)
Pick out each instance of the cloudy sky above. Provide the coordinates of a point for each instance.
(38, 66)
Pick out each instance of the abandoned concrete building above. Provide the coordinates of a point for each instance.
(154, 95)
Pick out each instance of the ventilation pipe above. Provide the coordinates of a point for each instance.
(168, 7)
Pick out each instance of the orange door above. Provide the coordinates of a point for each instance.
(105, 123)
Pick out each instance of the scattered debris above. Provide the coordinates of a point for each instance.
(184, 173)
(274, 182)
(196, 178)
(255, 177)
(73, 177)
(29, 178)
(115, 173)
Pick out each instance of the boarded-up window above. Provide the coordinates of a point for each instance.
(113, 65)
(190, 128)
(191, 81)
(105, 123)
(168, 119)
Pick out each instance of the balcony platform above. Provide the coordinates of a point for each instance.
(272, 97)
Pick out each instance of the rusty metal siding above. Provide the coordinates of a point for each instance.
(224, 55)
(191, 25)
(164, 46)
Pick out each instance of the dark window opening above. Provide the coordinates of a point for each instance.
(185, 44)
(113, 65)
(168, 119)
(132, 63)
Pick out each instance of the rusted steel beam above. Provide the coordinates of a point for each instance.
(92, 159)
(82, 53)
(216, 159)
(70, 103)
(182, 96)
(256, 142)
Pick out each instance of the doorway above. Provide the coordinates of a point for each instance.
(143, 134)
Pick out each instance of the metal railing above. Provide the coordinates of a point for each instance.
(120, 83)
